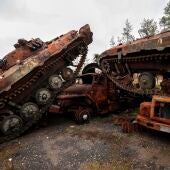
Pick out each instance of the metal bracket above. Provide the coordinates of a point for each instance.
(119, 55)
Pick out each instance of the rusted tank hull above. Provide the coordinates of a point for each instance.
(150, 54)
(29, 83)
(158, 42)
(37, 74)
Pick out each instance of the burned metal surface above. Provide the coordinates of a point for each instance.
(93, 91)
(23, 50)
(128, 123)
(155, 114)
(27, 70)
(147, 56)
(158, 42)
(17, 67)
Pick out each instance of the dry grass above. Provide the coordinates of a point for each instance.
(5, 156)
(113, 165)
(95, 133)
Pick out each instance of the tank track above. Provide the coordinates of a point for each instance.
(106, 65)
(20, 90)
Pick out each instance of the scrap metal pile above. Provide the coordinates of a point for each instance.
(32, 75)
(148, 57)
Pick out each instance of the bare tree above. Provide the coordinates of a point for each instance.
(148, 28)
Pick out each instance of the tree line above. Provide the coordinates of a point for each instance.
(147, 28)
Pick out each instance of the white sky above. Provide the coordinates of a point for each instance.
(48, 19)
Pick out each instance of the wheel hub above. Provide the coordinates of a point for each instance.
(43, 96)
(82, 115)
(30, 111)
(55, 82)
(11, 124)
(85, 117)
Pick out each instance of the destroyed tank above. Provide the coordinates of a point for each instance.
(146, 58)
(33, 74)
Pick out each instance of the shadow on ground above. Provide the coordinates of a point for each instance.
(61, 144)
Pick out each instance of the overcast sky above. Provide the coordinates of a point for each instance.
(50, 18)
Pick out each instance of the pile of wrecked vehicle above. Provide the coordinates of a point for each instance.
(37, 77)
(93, 93)
(33, 74)
(148, 58)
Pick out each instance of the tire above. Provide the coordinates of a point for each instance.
(11, 125)
(147, 80)
(82, 115)
(90, 68)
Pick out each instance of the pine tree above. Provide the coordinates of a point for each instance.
(165, 20)
(148, 28)
(112, 41)
(119, 40)
(126, 35)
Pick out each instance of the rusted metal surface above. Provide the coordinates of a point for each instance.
(158, 42)
(33, 74)
(166, 86)
(94, 91)
(24, 49)
(17, 67)
(150, 54)
(127, 123)
(156, 114)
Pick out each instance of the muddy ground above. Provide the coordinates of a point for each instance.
(99, 145)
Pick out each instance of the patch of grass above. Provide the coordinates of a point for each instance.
(95, 134)
(73, 129)
(6, 154)
(113, 165)
(121, 165)
(91, 166)
(130, 112)
(134, 112)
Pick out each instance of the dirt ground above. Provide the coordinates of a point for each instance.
(99, 145)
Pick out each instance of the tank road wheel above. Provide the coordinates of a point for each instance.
(30, 111)
(67, 74)
(82, 115)
(55, 82)
(11, 124)
(43, 96)
(146, 80)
